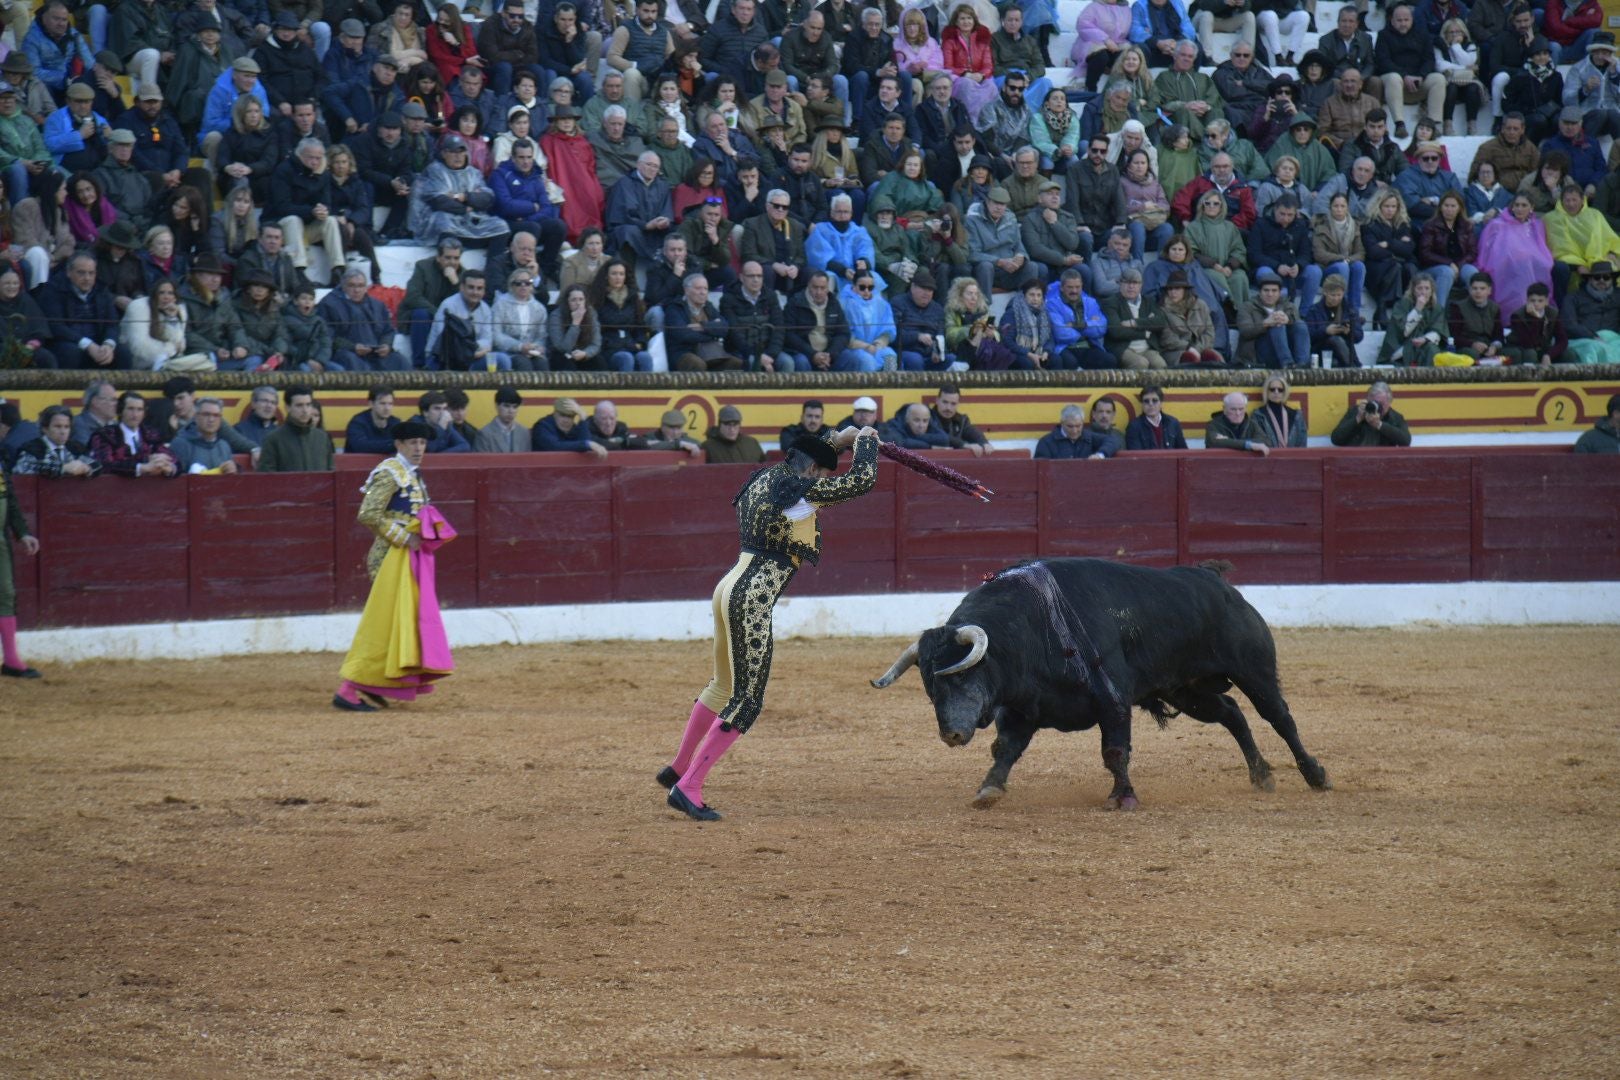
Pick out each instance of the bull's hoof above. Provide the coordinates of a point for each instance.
(1262, 780)
(1317, 777)
(988, 796)
(1121, 802)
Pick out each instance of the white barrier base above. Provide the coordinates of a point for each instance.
(896, 615)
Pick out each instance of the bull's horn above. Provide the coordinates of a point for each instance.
(966, 635)
(907, 659)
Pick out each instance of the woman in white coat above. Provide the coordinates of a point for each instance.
(154, 327)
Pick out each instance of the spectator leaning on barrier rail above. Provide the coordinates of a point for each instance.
(1155, 429)
(56, 453)
(562, 430)
(949, 418)
(671, 435)
(1075, 439)
(727, 445)
(1234, 429)
(605, 429)
(433, 409)
(130, 447)
(1372, 422)
(1604, 438)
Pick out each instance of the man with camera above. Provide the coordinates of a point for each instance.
(1372, 422)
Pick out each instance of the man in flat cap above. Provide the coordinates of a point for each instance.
(75, 134)
(728, 445)
(242, 77)
(22, 141)
(160, 146)
(671, 435)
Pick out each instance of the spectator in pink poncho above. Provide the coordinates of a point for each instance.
(1513, 250)
(915, 52)
(1104, 27)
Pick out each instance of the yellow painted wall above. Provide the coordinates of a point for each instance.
(1011, 413)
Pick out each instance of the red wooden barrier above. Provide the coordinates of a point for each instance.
(1264, 515)
(1124, 509)
(644, 527)
(114, 550)
(1546, 519)
(545, 536)
(1396, 519)
(261, 544)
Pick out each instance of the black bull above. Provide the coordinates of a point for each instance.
(1073, 643)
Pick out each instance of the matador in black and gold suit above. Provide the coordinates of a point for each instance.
(776, 521)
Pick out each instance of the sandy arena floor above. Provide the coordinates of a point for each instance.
(210, 873)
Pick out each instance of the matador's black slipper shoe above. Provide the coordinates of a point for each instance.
(351, 706)
(668, 777)
(678, 800)
(376, 699)
(24, 672)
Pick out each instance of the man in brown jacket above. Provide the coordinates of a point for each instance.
(1345, 114)
(1514, 156)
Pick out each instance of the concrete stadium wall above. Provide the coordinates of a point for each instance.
(551, 531)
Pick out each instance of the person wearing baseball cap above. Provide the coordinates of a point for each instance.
(242, 77)
(728, 445)
(863, 413)
(453, 177)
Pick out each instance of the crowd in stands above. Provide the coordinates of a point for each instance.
(121, 434)
(788, 186)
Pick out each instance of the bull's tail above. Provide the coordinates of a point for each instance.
(1219, 567)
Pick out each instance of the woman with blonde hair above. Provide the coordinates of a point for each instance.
(1417, 326)
(1131, 68)
(235, 225)
(1391, 247)
(915, 52)
(967, 322)
(1219, 248)
(247, 151)
(1457, 58)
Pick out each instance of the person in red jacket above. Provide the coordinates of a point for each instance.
(966, 48)
(1572, 29)
(1224, 179)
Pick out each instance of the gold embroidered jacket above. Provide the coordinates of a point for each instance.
(764, 527)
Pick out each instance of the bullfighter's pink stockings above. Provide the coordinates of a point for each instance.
(697, 725)
(714, 747)
(8, 641)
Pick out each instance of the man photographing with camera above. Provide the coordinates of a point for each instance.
(1372, 422)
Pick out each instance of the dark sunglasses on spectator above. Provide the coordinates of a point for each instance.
(864, 286)
(779, 206)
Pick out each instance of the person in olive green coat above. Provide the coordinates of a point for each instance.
(1416, 327)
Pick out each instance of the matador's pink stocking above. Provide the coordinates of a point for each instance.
(697, 725)
(714, 748)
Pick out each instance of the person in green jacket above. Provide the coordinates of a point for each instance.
(1604, 438)
(1372, 422)
(22, 146)
(298, 445)
(1416, 327)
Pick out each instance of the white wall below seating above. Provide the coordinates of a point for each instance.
(901, 615)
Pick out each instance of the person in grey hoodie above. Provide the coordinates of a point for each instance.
(199, 448)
